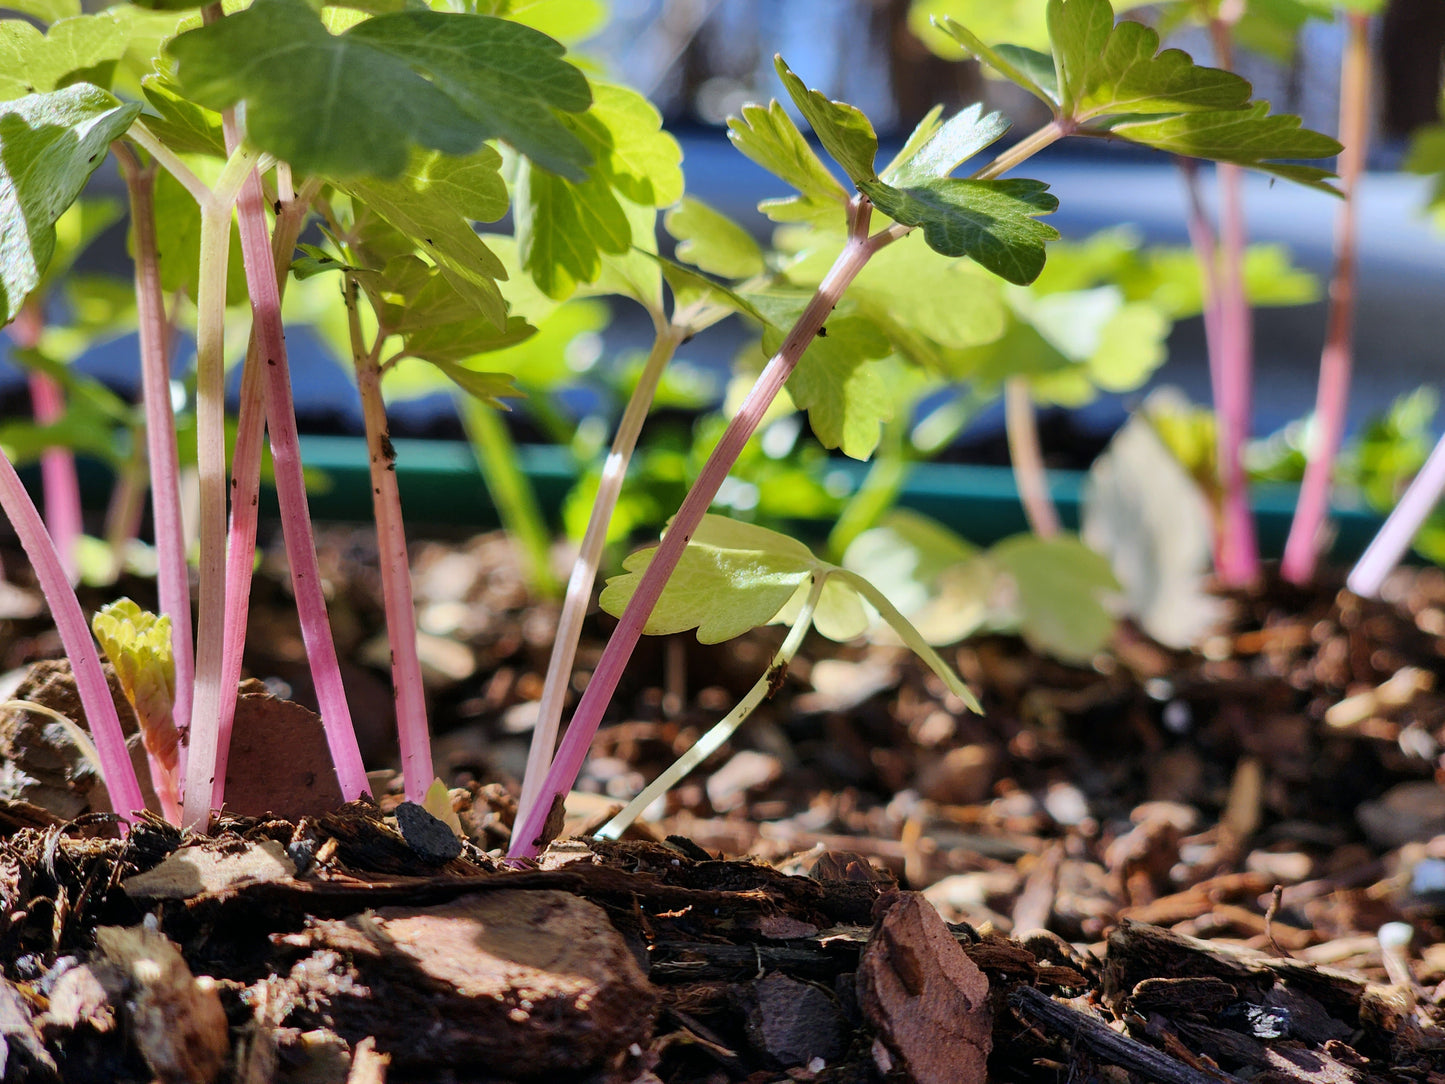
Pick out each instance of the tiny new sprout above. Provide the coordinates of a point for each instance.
(138, 645)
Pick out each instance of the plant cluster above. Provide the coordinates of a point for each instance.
(395, 129)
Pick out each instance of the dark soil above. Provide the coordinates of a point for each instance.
(1167, 866)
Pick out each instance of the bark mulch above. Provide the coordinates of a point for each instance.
(1225, 864)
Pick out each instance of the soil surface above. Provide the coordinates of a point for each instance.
(1226, 864)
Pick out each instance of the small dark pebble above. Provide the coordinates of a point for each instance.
(432, 840)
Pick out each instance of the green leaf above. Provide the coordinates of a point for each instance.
(767, 136)
(992, 222)
(961, 137)
(50, 144)
(1061, 586)
(1026, 68)
(463, 339)
(837, 381)
(487, 387)
(46, 11)
(509, 78)
(710, 240)
(434, 204)
(354, 103)
(1105, 68)
(634, 273)
(563, 228)
(844, 131)
(316, 261)
(732, 577)
(569, 21)
(623, 130)
(1247, 137)
(183, 126)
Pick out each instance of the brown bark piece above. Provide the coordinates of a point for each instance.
(202, 868)
(176, 1020)
(300, 783)
(42, 766)
(527, 983)
(927, 1000)
(792, 1022)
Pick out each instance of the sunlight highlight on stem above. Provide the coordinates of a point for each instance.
(1306, 533)
(526, 837)
(173, 583)
(584, 570)
(411, 726)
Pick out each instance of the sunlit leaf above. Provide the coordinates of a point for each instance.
(838, 383)
(843, 130)
(434, 204)
(732, 577)
(961, 137)
(49, 146)
(1247, 137)
(992, 222)
(355, 103)
(768, 136)
(1060, 587)
(708, 239)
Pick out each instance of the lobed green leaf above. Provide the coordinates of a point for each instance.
(50, 144)
(837, 381)
(956, 141)
(767, 136)
(434, 203)
(1247, 137)
(355, 103)
(843, 130)
(991, 222)
(708, 239)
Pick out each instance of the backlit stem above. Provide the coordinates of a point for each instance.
(246, 482)
(1027, 458)
(1306, 532)
(584, 570)
(1238, 562)
(215, 251)
(116, 767)
(261, 279)
(173, 582)
(859, 249)
(58, 479)
(416, 762)
(1384, 553)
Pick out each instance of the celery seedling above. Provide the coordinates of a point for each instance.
(1106, 79)
(138, 644)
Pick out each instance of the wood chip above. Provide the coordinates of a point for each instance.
(175, 1019)
(927, 1000)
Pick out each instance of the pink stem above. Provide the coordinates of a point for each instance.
(1238, 562)
(1306, 533)
(416, 761)
(245, 498)
(588, 716)
(1384, 553)
(261, 279)
(1201, 237)
(1027, 458)
(115, 763)
(57, 465)
(173, 580)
